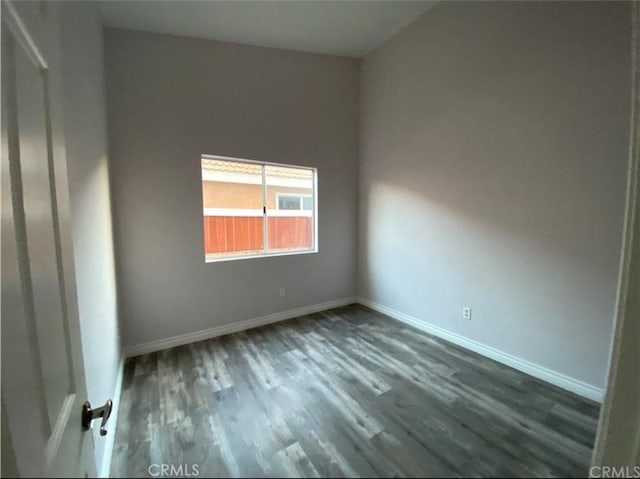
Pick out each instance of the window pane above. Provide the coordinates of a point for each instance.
(232, 208)
(307, 203)
(289, 224)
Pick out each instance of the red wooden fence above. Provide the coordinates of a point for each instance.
(225, 234)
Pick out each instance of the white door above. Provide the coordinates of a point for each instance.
(43, 386)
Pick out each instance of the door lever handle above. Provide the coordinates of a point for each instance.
(89, 414)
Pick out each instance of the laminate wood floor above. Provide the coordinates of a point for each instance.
(347, 392)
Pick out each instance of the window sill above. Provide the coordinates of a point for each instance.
(256, 256)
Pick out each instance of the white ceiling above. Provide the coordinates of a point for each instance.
(349, 28)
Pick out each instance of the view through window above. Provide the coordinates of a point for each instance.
(246, 202)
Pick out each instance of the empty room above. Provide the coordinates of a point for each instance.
(320, 238)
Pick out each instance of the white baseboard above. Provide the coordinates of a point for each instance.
(173, 341)
(113, 421)
(553, 377)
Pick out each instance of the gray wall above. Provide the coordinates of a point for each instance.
(86, 143)
(492, 175)
(171, 99)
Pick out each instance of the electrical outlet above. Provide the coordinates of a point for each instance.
(283, 292)
(466, 313)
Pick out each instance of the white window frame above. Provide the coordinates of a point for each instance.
(266, 212)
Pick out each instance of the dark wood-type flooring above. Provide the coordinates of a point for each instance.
(347, 392)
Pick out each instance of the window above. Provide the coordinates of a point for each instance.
(255, 209)
(289, 201)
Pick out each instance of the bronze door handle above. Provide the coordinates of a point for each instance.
(89, 414)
